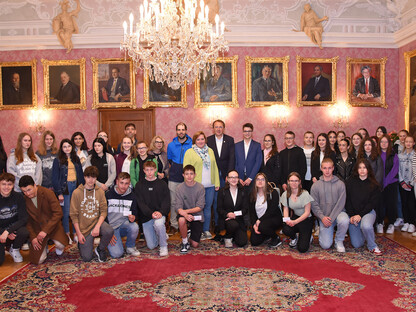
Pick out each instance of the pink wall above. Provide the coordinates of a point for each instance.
(65, 122)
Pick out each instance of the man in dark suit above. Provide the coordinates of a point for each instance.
(68, 92)
(266, 88)
(366, 87)
(248, 157)
(13, 93)
(223, 147)
(318, 88)
(116, 87)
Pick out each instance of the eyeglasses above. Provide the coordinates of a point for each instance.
(248, 131)
(141, 148)
(294, 181)
(233, 177)
(159, 142)
(289, 138)
(267, 141)
(102, 136)
(260, 179)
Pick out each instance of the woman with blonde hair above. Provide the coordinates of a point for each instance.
(157, 148)
(24, 161)
(47, 152)
(128, 152)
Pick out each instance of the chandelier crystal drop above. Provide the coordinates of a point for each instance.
(171, 42)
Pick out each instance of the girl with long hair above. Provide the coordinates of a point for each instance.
(332, 138)
(308, 148)
(389, 192)
(203, 159)
(322, 150)
(344, 162)
(368, 150)
(265, 214)
(297, 217)
(270, 165)
(47, 152)
(66, 176)
(3, 157)
(356, 139)
(24, 161)
(157, 148)
(81, 147)
(104, 162)
(381, 130)
(232, 209)
(364, 133)
(128, 152)
(363, 197)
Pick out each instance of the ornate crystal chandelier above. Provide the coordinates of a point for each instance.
(171, 42)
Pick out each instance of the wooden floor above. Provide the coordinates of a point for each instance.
(9, 267)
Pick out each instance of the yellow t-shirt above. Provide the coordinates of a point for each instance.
(72, 175)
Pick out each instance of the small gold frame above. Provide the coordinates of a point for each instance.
(351, 99)
(333, 82)
(234, 101)
(285, 77)
(96, 93)
(47, 64)
(34, 93)
(146, 98)
(408, 58)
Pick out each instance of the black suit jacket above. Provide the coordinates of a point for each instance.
(373, 87)
(322, 88)
(121, 87)
(69, 93)
(225, 162)
(225, 205)
(272, 169)
(316, 164)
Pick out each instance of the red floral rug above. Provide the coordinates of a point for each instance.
(217, 279)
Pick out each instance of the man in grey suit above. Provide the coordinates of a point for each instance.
(266, 87)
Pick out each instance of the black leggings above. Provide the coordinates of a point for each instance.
(388, 205)
(408, 205)
(21, 237)
(237, 231)
(304, 229)
(267, 229)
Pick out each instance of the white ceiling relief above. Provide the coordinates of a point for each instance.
(26, 24)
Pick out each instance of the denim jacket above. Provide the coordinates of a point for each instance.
(405, 169)
(60, 176)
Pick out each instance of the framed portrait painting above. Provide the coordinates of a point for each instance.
(64, 84)
(410, 93)
(218, 84)
(316, 81)
(366, 82)
(158, 94)
(267, 81)
(113, 83)
(18, 85)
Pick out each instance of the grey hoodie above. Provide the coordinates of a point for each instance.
(329, 198)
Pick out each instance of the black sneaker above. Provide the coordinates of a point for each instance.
(101, 254)
(275, 242)
(184, 248)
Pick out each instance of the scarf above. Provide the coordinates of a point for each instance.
(203, 153)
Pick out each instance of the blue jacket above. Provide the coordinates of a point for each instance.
(176, 152)
(248, 167)
(60, 176)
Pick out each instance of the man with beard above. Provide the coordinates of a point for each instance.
(14, 93)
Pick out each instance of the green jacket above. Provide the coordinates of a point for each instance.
(135, 170)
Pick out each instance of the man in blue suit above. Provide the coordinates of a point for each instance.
(116, 87)
(248, 157)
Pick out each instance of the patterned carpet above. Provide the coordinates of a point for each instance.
(212, 278)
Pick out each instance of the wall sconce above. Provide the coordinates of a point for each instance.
(37, 120)
(216, 112)
(341, 114)
(280, 115)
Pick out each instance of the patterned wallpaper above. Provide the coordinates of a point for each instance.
(317, 119)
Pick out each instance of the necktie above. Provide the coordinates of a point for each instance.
(113, 87)
(366, 86)
(316, 81)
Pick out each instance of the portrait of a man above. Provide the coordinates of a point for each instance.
(117, 88)
(267, 84)
(64, 84)
(68, 91)
(160, 92)
(318, 87)
(410, 100)
(216, 87)
(366, 87)
(17, 85)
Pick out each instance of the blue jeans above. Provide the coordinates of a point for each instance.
(127, 229)
(326, 234)
(222, 183)
(72, 185)
(209, 198)
(154, 232)
(364, 231)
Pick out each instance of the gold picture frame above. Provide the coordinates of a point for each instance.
(227, 81)
(410, 91)
(278, 71)
(18, 91)
(125, 88)
(355, 82)
(152, 96)
(57, 97)
(326, 85)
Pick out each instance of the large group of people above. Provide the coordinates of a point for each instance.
(200, 186)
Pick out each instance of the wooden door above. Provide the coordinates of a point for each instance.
(113, 121)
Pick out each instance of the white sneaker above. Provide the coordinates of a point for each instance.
(163, 251)
(293, 242)
(132, 251)
(25, 247)
(380, 228)
(340, 246)
(390, 229)
(376, 251)
(228, 243)
(414, 234)
(58, 251)
(398, 222)
(75, 239)
(206, 235)
(97, 241)
(411, 228)
(316, 231)
(405, 227)
(15, 253)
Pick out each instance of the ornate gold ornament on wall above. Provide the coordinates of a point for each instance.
(64, 24)
(410, 91)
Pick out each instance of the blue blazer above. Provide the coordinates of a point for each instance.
(252, 164)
